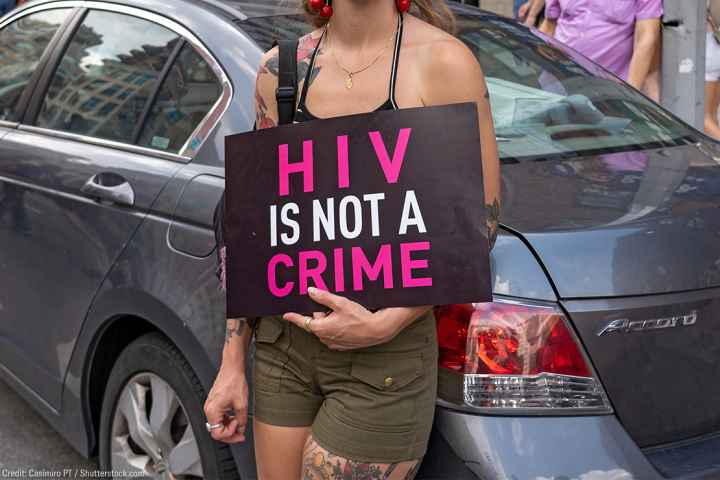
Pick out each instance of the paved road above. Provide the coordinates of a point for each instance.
(28, 442)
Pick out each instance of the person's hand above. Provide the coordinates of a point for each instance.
(230, 391)
(529, 11)
(348, 326)
(523, 10)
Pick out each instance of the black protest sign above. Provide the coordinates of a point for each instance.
(385, 208)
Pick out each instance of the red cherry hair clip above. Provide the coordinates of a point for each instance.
(326, 10)
(323, 6)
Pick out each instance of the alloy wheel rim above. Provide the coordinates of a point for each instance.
(151, 434)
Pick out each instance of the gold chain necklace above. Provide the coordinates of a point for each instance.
(351, 73)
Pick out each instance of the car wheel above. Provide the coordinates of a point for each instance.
(152, 423)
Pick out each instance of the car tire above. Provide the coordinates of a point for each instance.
(149, 367)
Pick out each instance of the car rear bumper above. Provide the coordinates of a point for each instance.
(544, 448)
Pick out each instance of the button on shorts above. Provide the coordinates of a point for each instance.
(373, 405)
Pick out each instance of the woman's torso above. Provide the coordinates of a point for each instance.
(303, 113)
(394, 81)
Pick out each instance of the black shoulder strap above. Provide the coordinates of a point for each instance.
(286, 99)
(286, 93)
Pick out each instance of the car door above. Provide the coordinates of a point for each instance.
(79, 183)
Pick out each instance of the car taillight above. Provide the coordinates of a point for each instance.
(516, 357)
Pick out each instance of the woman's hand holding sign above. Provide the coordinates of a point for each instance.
(350, 325)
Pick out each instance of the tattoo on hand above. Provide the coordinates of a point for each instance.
(234, 327)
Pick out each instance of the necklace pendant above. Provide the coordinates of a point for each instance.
(349, 82)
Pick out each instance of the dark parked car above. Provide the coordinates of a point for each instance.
(598, 359)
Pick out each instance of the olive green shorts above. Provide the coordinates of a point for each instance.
(374, 404)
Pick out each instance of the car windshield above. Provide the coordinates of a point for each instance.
(547, 101)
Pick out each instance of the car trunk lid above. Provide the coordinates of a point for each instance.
(659, 366)
(630, 223)
(631, 242)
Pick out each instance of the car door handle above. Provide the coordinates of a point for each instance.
(111, 187)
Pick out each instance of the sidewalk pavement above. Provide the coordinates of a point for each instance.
(28, 442)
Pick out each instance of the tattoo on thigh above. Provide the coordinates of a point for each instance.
(319, 464)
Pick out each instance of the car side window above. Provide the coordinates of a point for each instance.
(185, 98)
(106, 76)
(22, 44)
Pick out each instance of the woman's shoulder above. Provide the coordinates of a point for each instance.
(306, 45)
(446, 68)
(439, 52)
(437, 48)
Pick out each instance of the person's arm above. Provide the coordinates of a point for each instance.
(548, 27)
(534, 9)
(553, 10)
(455, 76)
(230, 389)
(266, 112)
(647, 41)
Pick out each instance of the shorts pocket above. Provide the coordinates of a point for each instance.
(383, 392)
(269, 356)
(386, 372)
(268, 330)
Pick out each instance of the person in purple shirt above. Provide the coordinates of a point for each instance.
(621, 35)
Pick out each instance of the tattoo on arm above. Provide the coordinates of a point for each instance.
(302, 72)
(272, 66)
(262, 115)
(263, 118)
(493, 220)
(234, 327)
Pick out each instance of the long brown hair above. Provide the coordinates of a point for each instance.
(435, 12)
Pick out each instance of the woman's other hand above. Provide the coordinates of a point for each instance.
(229, 392)
(350, 325)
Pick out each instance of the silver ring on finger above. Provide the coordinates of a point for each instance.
(213, 426)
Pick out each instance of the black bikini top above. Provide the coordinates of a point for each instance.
(302, 114)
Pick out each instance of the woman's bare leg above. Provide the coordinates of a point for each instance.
(279, 450)
(319, 464)
(712, 98)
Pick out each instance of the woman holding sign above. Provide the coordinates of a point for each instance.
(351, 393)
